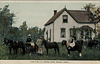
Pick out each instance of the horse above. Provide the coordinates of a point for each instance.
(14, 45)
(32, 48)
(50, 45)
(93, 43)
(77, 47)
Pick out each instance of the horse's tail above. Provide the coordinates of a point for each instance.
(58, 50)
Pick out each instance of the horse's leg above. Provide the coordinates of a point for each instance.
(80, 54)
(79, 50)
(30, 51)
(68, 52)
(58, 50)
(47, 51)
(36, 48)
(33, 50)
(16, 50)
(23, 48)
(55, 50)
(10, 50)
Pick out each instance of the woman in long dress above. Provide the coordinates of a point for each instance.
(39, 43)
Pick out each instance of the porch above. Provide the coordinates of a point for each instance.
(83, 32)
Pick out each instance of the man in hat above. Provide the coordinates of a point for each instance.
(28, 39)
(39, 43)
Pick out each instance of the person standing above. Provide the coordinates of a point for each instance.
(39, 43)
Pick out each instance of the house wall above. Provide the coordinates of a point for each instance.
(58, 24)
(47, 28)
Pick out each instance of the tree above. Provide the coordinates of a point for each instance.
(14, 33)
(24, 26)
(89, 7)
(6, 20)
(35, 32)
(23, 31)
(94, 14)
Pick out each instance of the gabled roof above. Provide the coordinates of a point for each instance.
(79, 16)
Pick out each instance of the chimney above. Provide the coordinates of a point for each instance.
(55, 11)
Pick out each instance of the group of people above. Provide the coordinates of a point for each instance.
(29, 41)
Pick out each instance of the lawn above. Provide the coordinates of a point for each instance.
(88, 54)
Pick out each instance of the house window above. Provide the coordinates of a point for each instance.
(65, 18)
(63, 33)
(47, 34)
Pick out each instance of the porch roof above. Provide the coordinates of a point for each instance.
(83, 28)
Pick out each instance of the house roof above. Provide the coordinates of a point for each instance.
(79, 16)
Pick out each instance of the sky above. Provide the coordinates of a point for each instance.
(37, 13)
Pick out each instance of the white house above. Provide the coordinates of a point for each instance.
(69, 22)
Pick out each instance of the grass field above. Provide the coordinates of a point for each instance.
(88, 54)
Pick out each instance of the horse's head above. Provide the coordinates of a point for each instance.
(44, 41)
(64, 42)
(82, 42)
(96, 41)
(5, 41)
(79, 42)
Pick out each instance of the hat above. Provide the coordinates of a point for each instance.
(29, 34)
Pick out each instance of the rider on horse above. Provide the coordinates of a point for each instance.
(28, 39)
(71, 42)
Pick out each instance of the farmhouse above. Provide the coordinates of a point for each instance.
(69, 22)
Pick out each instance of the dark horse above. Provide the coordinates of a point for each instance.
(14, 45)
(50, 45)
(93, 43)
(77, 47)
(32, 48)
